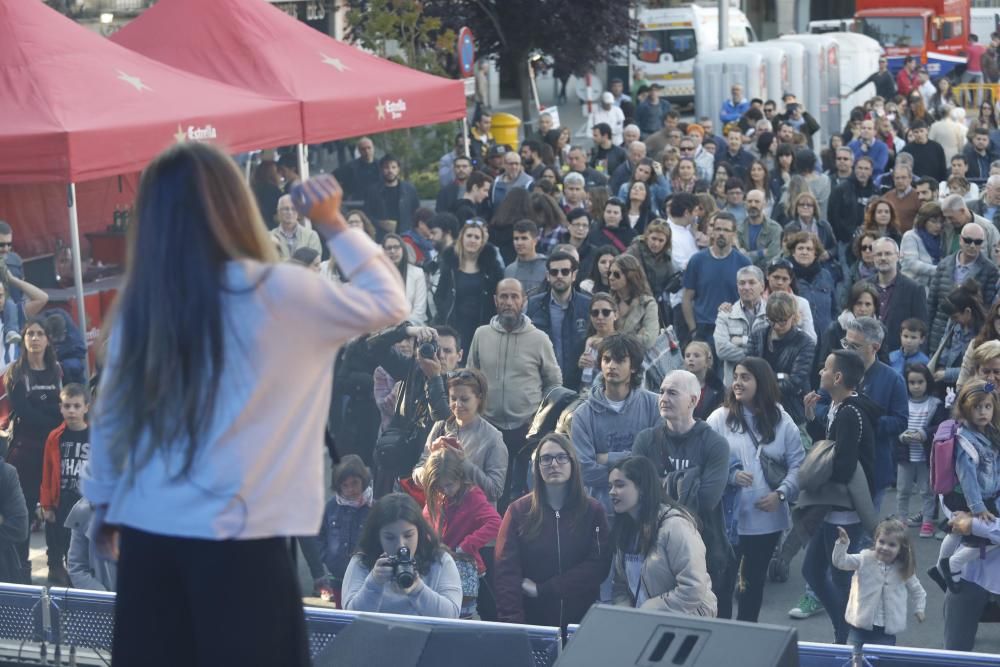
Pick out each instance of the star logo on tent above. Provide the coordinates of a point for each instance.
(180, 135)
(133, 81)
(380, 109)
(334, 63)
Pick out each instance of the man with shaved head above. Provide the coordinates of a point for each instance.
(520, 366)
(687, 453)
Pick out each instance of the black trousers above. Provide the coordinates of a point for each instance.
(518, 463)
(754, 553)
(184, 601)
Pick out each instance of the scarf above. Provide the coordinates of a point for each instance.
(931, 243)
(365, 499)
(805, 272)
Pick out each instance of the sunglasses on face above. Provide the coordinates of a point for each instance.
(966, 239)
(11, 245)
(601, 312)
(867, 248)
(560, 272)
(615, 273)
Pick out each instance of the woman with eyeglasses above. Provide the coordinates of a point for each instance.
(815, 282)
(413, 277)
(482, 443)
(552, 552)
(759, 431)
(578, 235)
(960, 316)
(638, 313)
(789, 351)
(921, 248)
(470, 271)
(603, 316)
(659, 559)
(863, 249)
(990, 331)
(781, 278)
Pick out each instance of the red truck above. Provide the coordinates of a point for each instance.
(936, 32)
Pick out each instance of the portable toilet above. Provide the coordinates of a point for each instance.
(716, 71)
(822, 63)
(776, 69)
(859, 56)
(795, 54)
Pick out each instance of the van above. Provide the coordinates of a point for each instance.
(669, 40)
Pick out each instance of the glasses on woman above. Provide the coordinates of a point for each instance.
(616, 274)
(867, 247)
(548, 460)
(601, 312)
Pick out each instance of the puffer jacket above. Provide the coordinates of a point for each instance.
(791, 357)
(943, 283)
(673, 575)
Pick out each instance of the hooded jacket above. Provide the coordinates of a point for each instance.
(87, 568)
(706, 454)
(567, 561)
(598, 429)
(673, 575)
(520, 367)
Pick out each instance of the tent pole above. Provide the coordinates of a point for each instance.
(303, 152)
(74, 239)
(465, 135)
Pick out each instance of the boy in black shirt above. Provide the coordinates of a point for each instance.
(66, 450)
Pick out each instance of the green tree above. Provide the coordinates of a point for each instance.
(399, 30)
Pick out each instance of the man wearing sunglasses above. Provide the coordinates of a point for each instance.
(956, 211)
(563, 313)
(969, 262)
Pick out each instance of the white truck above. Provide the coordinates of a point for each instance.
(670, 38)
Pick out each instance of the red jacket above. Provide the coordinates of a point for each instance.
(48, 494)
(905, 82)
(567, 562)
(469, 525)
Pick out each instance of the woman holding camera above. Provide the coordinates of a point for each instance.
(552, 551)
(401, 567)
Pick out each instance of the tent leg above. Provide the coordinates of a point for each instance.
(74, 239)
(303, 152)
(465, 134)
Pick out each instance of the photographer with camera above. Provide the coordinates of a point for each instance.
(421, 400)
(401, 566)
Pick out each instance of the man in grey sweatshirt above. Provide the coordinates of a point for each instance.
(605, 425)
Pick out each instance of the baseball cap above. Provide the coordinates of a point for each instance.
(497, 150)
(607, 98)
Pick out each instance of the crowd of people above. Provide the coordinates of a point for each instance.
(647, 374)
(611, 348)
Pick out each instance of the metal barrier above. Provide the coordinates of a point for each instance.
(971, 95)
(86, 619)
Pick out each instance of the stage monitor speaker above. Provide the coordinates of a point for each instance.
(377, 641)
(624, 636)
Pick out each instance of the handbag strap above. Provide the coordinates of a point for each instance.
(746, 427)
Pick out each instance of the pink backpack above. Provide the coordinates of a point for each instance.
(944, 479)
(942, 462)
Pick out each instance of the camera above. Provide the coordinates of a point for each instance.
(428, 350)
(403, 571)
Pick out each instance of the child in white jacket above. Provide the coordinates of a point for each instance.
(883, 577)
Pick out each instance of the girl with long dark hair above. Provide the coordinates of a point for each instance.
(197, 462)
(597, 281)
(552, 552)
(372, 581)
(612, 228)
(413, 277)
(33, 383)
(659, 556)
(759, 432)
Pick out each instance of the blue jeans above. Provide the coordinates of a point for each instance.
(830, 584)
(858, 637)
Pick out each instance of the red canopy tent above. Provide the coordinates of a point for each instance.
(76, 107)
(344, 91)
